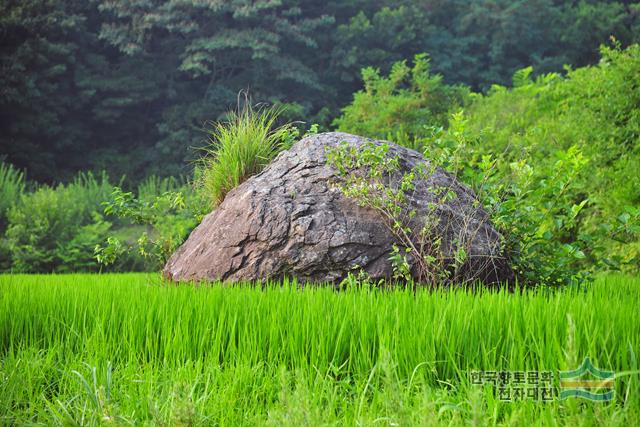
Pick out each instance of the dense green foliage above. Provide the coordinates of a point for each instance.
(555, 160)
(11, 188)
(127, 86)
(124, 349)
(68, 228)
(592, 117)
(399, 106)
(56, 228)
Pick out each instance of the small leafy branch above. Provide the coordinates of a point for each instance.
(124, 204)
(167, 220)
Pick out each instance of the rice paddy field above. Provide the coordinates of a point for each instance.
(129, 349)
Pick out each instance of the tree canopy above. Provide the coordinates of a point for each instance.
(129, 86)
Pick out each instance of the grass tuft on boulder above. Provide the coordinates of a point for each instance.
(240, 147)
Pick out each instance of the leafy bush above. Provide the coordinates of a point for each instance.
(592, 113)
(64, 228)
(555, 160)
(240, 147)
(54, 229)
(538, 218)
(399, 106)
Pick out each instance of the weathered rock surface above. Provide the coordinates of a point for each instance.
(291, 220)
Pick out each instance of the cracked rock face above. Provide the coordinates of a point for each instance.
(291, 220)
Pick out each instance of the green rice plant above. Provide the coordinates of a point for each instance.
(130, 349)
(240, 147)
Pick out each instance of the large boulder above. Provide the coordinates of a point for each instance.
(291, 220)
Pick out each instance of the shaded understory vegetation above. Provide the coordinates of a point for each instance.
(126, 349)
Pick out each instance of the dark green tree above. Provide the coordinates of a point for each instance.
(128, 86)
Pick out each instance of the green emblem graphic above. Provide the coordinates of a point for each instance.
(599, 388)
